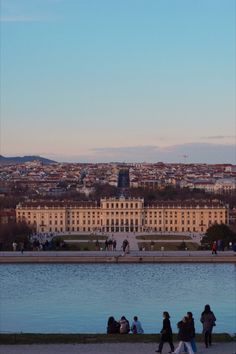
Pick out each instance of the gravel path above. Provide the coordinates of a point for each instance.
(108, 348)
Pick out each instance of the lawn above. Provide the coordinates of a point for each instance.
(168, 246)
(81, 237)
(163, 237)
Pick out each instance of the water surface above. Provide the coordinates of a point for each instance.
(72, 298)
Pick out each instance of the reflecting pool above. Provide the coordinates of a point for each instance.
(71, 298)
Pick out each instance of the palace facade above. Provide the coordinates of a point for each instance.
(122, 215)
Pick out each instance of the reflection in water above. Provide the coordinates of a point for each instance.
(79, 298)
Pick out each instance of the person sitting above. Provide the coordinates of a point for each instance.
(124, 325)
(136, 326)
(112, 326)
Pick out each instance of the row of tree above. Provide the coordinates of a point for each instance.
(99, 191)
(14, 232)
(220, 232)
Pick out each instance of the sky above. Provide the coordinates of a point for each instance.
(119, 80)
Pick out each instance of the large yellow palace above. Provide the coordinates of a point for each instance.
(122, 215)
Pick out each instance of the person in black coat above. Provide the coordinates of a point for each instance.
(112, 326)
(192, 325)
(166, 333)
(185, 336)
(208, 321)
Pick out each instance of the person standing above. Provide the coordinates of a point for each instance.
(208, 322)
(191, 322)
(185, 335)
(166, 333)
(214, 248)
(14, 246)
(114, 245)
(124, 245)
(97, 246)
(22, 247)
(106, 245)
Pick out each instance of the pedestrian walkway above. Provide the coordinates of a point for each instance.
(133, 242)
(108, 348)
(116, 256)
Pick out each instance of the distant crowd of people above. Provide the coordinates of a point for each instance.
(186, 330)
(15, 246)
(38, 242)
(42, 241)
(219, 245)
(110, 244)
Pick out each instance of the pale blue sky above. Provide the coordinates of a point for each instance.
(92, 79)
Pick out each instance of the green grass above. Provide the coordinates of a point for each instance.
(168, 246)
(163, 237)
(36, 338)
(90, 245)
(80, 237)
(83, 246)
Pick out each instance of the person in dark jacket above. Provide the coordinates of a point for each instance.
(185, 335)
(112, 326)
(208, 321)
(191, 322)
(166, 333)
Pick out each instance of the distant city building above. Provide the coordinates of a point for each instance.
(123, 178)
(45, 180)
(225, 185)
(122, 215)
(7, 216)
(151, 184)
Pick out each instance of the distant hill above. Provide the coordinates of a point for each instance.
(19, 160)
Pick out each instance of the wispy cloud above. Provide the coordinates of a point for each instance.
(219, 137)
(193, 152)
(187, 153)
(27, 11)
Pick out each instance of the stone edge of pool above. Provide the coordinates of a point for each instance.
(116, 259)
(37, 338)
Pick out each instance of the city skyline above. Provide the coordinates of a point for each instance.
(119, 81)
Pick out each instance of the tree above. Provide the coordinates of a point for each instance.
(219, 232)
(182, 246)
(18, 232)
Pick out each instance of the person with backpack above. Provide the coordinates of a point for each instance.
(191, 322)
(185, 336)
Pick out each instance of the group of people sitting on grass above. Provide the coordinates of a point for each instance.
(186, 330)
(123, 327)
